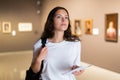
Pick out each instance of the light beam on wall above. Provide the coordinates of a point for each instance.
(95, 31)
(13, 33)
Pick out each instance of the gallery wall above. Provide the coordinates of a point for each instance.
(16, 11)
(95, 50)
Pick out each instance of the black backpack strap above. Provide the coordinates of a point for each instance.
(43, 41)
(30, 75)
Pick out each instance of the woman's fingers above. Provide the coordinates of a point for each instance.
(74, 67)
(43, 53)
(78, 72)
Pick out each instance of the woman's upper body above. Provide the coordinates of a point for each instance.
(60, 59)
(62, 51)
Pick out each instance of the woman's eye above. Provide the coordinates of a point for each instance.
(58, 16)
(62, 17)
(66, 17)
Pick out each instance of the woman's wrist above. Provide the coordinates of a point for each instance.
(36, 65)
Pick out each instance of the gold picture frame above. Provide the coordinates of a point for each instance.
(88, 26)
(6, 27)
(111, 27)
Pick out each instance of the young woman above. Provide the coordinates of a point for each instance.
(62, 51)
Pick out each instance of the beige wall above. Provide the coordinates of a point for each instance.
(95, 49)
(16, 11)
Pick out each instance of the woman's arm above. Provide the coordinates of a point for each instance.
(78, 59)
(36, 64)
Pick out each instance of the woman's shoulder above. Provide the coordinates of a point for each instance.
(37, 43)
(74, 42)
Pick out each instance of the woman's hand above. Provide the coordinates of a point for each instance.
(42, 54)
(76, 73)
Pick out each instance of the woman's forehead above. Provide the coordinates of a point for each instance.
(61, 11)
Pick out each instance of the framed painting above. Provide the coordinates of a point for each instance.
(6, 27)
(25, 27)
(88, 26)
(111, 27)
(77, 27)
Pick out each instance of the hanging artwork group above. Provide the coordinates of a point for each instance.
(111, 27)
(77, 29)
(5, 27)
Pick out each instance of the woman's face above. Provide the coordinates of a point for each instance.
(61, 20)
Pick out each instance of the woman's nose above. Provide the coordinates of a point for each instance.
(63, 19)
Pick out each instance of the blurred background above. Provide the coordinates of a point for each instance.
(26, 20)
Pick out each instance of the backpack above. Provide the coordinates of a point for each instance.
(30, 75)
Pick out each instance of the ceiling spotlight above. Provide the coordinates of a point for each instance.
(38, 2)
(38, 11)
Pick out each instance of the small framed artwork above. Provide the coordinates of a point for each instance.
(88, 26)
(111, 27)
(6, 27)
(77, 27)
(25, 27)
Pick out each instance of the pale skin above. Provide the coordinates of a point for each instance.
(60, 25)
(111, 32)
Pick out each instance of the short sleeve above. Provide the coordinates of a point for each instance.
(36, 48)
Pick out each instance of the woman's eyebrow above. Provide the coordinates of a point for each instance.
(60, 14)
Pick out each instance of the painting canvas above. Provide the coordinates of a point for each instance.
(6, 27)
(77, 27)
(88, 26)
(111, 27)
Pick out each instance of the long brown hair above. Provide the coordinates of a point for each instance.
(49, 26)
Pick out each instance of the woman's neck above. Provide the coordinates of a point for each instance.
(58, 37)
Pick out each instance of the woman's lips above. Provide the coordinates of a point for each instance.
(63, 24)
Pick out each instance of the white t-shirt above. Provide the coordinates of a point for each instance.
(60, 59)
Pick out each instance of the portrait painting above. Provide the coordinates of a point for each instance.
(6, 27)
(77, 27)
(88, 26)
(111, 27)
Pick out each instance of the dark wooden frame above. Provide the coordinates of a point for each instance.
(111, 18)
